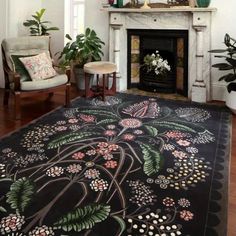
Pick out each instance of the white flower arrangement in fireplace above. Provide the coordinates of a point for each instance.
(156, 63)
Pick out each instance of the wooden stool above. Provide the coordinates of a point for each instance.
(104, 68)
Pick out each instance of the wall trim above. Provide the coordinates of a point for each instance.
(218, 91)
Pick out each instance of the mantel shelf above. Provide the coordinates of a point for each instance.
(152, 10)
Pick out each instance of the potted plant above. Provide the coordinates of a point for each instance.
(85, 48)
(230, 64)
(37, 26)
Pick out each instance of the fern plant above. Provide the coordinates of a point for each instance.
(37, 26)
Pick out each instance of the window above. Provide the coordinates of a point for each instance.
(74, 17)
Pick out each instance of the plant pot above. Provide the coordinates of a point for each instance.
(203, 3)
(120, 3)
(231, 101)
(79, 78)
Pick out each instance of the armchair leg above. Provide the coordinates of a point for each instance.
(6, 97)
(68, 95)
(17, 106)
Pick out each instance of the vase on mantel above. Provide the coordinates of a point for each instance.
(111, 2)
(203, 3)
(192, 3)
(120, 3)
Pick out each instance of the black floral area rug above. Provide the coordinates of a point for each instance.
(129, 166)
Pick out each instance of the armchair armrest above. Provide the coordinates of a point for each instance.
(15, 78)
(66, 70)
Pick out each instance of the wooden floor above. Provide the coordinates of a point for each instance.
(39, 106)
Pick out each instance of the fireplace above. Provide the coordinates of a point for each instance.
(172, 46)
(194, 23)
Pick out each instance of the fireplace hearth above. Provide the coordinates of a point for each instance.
(172, 46)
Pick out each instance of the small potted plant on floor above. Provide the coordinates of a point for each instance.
(230, 64)
(37, 26)
(85, 48)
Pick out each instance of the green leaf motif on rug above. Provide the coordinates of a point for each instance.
(20, 194)
(2, 209)
(152, 130)
(106, 121)
(173, 125)
(100, 112)
(70, 138)
(83, 218)
(152, 159)
(122, 224)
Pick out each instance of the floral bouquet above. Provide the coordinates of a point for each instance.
(156, 63)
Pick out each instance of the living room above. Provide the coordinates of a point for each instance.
(115, 138)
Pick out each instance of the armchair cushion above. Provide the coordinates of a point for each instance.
(19, 68)
(39, 67)
(44, 84)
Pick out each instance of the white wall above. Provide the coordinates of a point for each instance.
(55, 13)
(223, 22)
(97, 20)
(19, 11)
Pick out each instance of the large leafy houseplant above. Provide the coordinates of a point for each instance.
(230, 64)
(86, 47)
(37, 26)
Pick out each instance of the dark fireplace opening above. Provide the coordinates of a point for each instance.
(172, 46)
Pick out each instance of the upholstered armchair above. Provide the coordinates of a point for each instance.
(20, 76)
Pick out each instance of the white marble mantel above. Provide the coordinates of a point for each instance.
(196, 20)
(170, 9)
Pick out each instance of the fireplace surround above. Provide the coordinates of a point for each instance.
(197, 21)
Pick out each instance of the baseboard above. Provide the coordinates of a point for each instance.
(218, 91)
